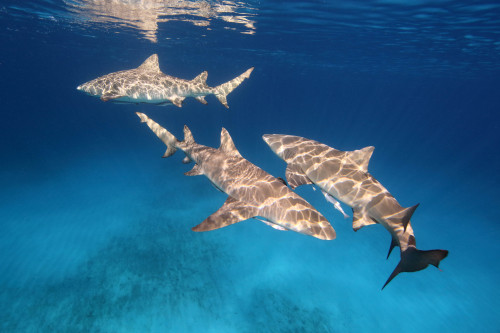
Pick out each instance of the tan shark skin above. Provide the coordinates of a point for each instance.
(252, 191)
(147, 84)
(344, 175)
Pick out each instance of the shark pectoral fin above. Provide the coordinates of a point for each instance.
(359, 219)
(403, 216)
(195, 171)
(394, 243)
(107, 96)
(231, 212)
(201, 99)
(295, 176)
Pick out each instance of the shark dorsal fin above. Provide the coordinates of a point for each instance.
(188, 136)
(362, 157)
(202, 78)
(227, 144)
(150, 64)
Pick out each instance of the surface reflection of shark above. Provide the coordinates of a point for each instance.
(344, 175)
(147, 84)
(146, 14)
(252, 191)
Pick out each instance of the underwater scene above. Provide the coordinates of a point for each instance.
(328, 166)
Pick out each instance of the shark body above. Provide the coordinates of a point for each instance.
(344, 175)
(252, 192)
(148, 84)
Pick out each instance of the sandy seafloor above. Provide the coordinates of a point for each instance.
(95, 226)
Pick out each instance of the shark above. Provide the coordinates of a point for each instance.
(148, 84)
(344, 175)
(252, 192)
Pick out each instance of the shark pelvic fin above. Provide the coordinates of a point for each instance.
(413, 260)
(227, 144)
(360, 220)
(295, 176)
(231, 212)
(225, 89)
(195, 171)
(201, 78)
(177, 101)
(362, 157)
(201, 99)
(150, 64)
(168, 139)
(404, 216)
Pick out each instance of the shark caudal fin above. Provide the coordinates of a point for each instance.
(413, 260)
(225, 89)
(168, 139)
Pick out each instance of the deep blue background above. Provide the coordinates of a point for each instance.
(95, 226)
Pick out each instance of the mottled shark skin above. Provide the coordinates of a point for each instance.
(344, 175)
(147, 84)
(252, 191)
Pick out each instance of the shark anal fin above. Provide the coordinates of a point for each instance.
(195, 171)
(360, 220)
(201, 99)
(394, 243)
(109, 96)
(186, 160)
(231, 212)
(362, 157)
(295, 176)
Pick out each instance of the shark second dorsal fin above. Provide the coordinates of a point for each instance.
(150, 64)
(295, 176)
(403, 216)
(188, 136)
(362, 157)
(231, 212)
(227, 144)
(201, 79)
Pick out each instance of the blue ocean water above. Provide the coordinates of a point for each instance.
(95, 227)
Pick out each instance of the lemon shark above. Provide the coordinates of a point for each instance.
(147, 84)
(252, 192)
(344, 176)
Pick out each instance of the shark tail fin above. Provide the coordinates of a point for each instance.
(413, 260)
(168, 139)
(225, 89)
